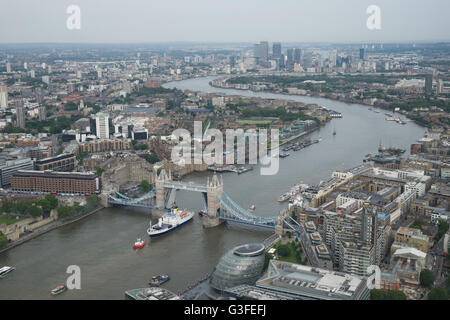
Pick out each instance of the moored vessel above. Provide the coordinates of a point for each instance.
(153, 293)
(158, 280)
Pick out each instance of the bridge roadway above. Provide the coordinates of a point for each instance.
(190, 186)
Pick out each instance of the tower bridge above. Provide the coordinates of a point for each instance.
(220, 207)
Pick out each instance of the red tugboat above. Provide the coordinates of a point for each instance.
(139, 244)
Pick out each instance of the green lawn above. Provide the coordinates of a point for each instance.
(7, 219)
(293, 256)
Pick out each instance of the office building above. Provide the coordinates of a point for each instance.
(264, 51)
(42, 113)
(309, 283)
(139, 133)
(297, 55)
(276, 50)
(429, 83)
(239, 266)
(62, 162)
(104, 145)
(52, 181)
(8, 168)
(20, 115)
(410, 237)
(356, 241)
(3, 97)
(362, 55)
(102, 125)
(290, 59)
(46, 79)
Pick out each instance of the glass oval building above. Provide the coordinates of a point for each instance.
(241, 265)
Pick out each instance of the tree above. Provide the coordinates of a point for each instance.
(53, 201)
(65, 211)
(426, 278)
(92, 201)
(378, 294)
(35, 211)
(3, 240)
(283, 250)
(151, 158)
(9, 207)
(100, 171)
(23, 206)
(438, 294)
(145, 185)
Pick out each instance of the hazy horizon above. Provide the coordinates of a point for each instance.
(209, 21)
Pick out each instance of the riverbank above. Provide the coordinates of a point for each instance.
(317, 95)
(47, 228)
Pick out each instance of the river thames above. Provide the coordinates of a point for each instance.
(101, 244)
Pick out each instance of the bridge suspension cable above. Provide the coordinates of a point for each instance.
(244, 212)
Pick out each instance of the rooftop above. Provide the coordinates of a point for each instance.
(312, 283)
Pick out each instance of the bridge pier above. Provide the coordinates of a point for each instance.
(104, 200)
(214, 189)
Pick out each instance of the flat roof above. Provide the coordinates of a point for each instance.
(310, 282)
(250, 249)
(55, 174)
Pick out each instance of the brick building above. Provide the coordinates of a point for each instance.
(52, 181)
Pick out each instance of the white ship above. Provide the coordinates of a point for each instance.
(171, 220)
(5, 270)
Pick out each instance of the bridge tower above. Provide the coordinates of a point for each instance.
(214, 189)
(279, 228)
(160, 179)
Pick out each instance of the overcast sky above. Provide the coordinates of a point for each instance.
(224, 21)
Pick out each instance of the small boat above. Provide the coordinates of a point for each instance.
(201, 213)
(58, 290)
(158, 280)
(252, 207)
(284, 155)
(284, 197)
(5, 270)
(139, 244)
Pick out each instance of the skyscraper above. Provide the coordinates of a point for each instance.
(297, 55)
(362, 54)
(42, 113)
(429, 83)
(8, 67)
(102, 125)
(3, 97)
(276, 50)
(256, 51)
(20, 114)
(290, 59)
(264, 51)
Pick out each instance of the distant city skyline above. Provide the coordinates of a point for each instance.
(136, 21)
